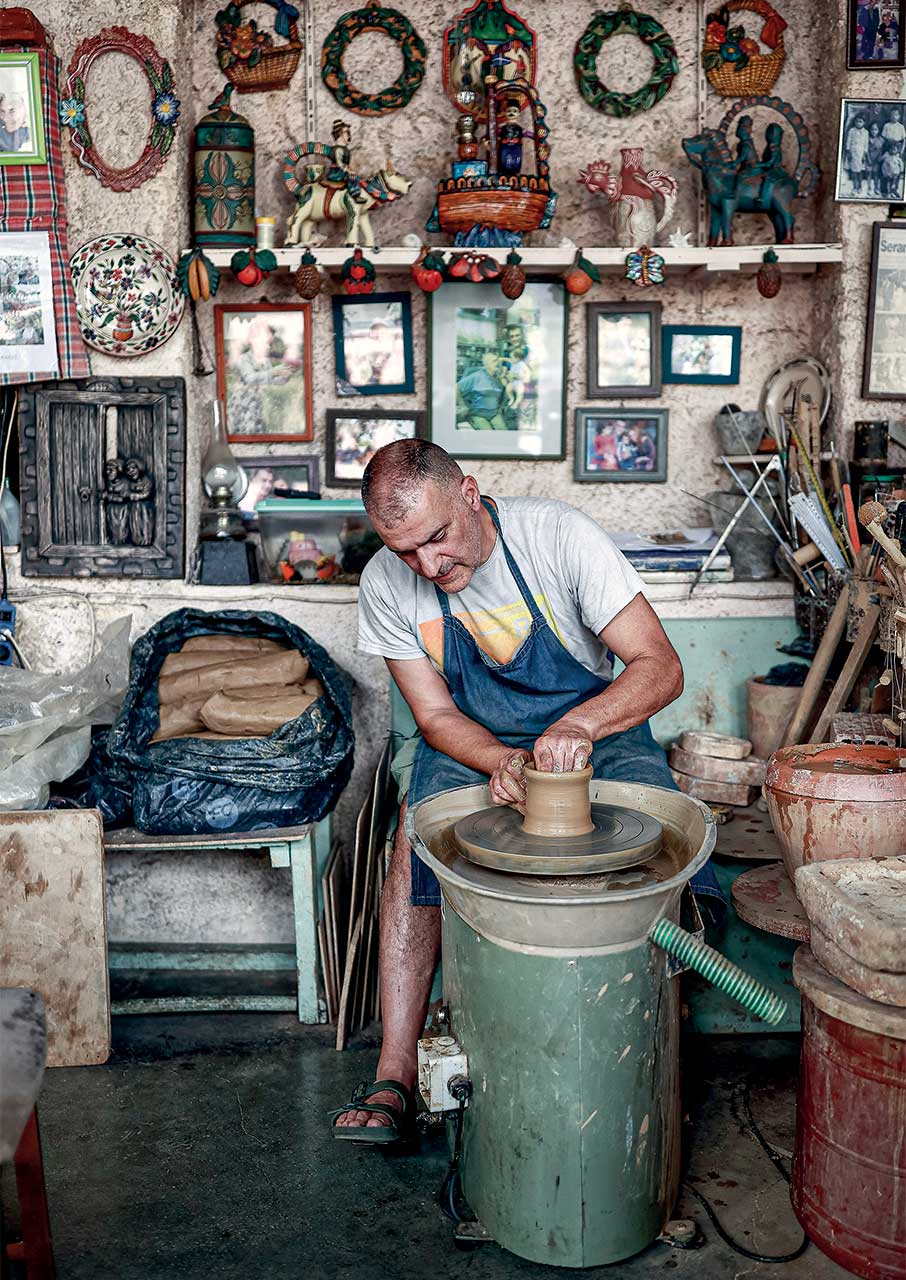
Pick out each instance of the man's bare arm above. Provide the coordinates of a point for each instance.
(444, 727)
(652, 679)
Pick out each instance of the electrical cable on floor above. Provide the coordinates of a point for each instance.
(778, 1164)
(450, 1192)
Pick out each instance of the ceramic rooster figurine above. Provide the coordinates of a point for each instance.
(632, 197)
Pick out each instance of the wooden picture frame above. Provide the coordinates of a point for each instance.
(261, 350)
(527, 334)
(699, 353)
(858, 36)
(884, 362)
(632, 325)
(621, 446)
(22, 139)
(370, 363)
(346, 472)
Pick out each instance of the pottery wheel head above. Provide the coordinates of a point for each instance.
(621, 838)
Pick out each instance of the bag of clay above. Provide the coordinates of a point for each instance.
(196, 786)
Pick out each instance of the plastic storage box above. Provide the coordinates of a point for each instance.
(304, 541)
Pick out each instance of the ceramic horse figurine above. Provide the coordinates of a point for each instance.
(316, 202)
(732, 189)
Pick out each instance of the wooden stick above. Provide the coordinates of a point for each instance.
(818, 670)
(855, 659)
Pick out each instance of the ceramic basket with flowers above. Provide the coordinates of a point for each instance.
(735, 63)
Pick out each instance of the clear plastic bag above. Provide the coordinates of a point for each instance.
(45, 720)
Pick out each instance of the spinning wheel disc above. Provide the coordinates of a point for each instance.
(621, 838)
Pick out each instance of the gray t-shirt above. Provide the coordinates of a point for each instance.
(577, 576)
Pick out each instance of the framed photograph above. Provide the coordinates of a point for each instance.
(28, 338)
(21, 110)
(278, 475)
(874, 35)
(701, 352)
(373, 342)
(264, 370)
(624, 349)
(871, 151)
(625, 445)
(353, 438)
(884, 368)
(497, 370)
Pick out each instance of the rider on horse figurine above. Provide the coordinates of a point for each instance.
(338, 175)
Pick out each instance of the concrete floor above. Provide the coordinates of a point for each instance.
(202, 1150)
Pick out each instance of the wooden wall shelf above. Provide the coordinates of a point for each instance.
(798, 259)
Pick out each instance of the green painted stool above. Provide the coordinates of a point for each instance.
(304, 851)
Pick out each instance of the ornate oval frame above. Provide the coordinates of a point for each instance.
(389, 22)
(164, 107)
(651, 33)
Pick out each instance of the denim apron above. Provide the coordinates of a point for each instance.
(542, 683)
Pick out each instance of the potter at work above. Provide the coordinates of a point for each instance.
(499, 619)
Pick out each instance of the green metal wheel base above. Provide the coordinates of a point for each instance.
(571, 1137)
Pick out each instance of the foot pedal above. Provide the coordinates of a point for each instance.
(472, 1233)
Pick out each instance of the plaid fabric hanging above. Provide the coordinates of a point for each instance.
(33, 198)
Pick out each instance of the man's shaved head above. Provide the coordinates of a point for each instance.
(397, 475)
(427, 512)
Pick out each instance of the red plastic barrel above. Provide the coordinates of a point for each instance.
(849, 1166)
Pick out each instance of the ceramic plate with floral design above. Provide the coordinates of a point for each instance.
(127, 296)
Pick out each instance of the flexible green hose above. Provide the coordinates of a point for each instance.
(719, 971)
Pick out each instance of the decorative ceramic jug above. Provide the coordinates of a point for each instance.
(224, 192)
(632, 196)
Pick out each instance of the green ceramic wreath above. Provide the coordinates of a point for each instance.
(392, 23)
(651, 33)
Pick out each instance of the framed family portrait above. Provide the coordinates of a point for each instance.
(264, 370)
(497, 370)
(884, 368)
(373, 344)
(874, 35)
(354, 438)
(21, 110)
(278, 475)
(871, 151)
(703, 353)
(623, 445)
(624, 349)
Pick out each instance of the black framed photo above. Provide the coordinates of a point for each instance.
(884, 367)
(497, 370)
(275, 475)
(871, 151)
(622, 445)
(354, 438)
(624, 349)
(372, 336)
(874, 35)
(703, 353)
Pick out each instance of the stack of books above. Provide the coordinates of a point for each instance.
(675, 557)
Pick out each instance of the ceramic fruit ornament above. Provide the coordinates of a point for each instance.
(581, 276)
(476, 267)
(769, 278)
(428, 270)
(512, 282)
(250, 266)
(198, 277)
(358, 274)
(308, 279)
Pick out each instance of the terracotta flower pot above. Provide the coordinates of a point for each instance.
(770, 708)
(833, 800)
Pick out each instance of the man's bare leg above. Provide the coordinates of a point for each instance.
(410, 944)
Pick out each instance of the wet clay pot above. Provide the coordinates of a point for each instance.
(557, 804)
(770, 708)
(833, 800)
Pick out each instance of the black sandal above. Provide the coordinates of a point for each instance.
(400, 1125)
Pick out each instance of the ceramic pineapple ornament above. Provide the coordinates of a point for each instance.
(512, 280)
(308, 279)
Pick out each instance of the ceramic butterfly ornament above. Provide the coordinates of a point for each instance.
(644, 267)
